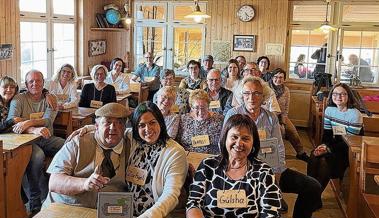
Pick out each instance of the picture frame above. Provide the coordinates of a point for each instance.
(97, 47)
(6, 51)
(244, 43)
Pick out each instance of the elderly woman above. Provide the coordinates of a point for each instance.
(117, 77)
(159, 158)
(99, 93)
(330, 159)
(233, 77)
(264, 64)
(193, 81)
(236, 170)
(199, 131)
(63, 85)
(181, 102)
(165, 100)
(282, 94)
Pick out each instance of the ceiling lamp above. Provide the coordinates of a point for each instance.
(326, 27)
(127, 20)
(197, 15)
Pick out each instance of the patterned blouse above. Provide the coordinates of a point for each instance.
(145, 157)
(4, 123)
(188, 128)
(284, 102)
(172, 124)
(188, 83)
(259, 184)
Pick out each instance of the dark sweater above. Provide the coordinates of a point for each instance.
(106, 95)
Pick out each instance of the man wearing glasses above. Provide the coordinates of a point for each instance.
(218, 95)
(148, 74)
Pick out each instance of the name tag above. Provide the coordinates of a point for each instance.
(262, 134)
(135, 87)
(200, 141)
(175, 108)
(114, 209)
(339, 130)
(214, 104)
(136, 175)
(231, 199)
(37, 115)
(149, 78)
(62, 97)
(96, 104)
(266, 150)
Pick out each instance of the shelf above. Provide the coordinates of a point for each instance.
(108, 29)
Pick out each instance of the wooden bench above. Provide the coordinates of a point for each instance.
(63, 124)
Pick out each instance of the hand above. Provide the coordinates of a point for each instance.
(52, 101)
(18, 119)
(191, 170)
(60, 107)
(82, 131)
(20, 127)
(320, 150)
(95, 182)
(42, 131)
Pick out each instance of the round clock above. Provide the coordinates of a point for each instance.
(246, 13)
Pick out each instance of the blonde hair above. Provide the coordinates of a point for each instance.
(265, 87)
(57, 75)
(8, 81)
(95, 69)
(198, 94)
(168, 91)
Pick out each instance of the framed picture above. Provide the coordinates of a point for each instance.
(6, 51)
(97, 47)
(244, 43)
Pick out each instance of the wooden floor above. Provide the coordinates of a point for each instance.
(330, 207)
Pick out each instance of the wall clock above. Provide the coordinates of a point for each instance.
(246, 13)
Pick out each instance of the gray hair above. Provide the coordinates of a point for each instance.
(168, 91)
(57, 75)
(96, 68)
(33, 71)
(265, 87)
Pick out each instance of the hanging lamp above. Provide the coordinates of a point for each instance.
(325, 26)
(197, 15)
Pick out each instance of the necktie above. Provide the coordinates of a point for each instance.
(107, 167)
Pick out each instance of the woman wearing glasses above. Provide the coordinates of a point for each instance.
(330, 159)
(200, 131)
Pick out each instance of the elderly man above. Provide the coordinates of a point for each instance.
(251, 69)
(290, 181)
(39, 117)
(219, 96)
(148, 73)
(360, 68)
(92, 162)
(207, 66)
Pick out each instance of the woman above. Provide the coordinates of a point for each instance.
(63, 85)
(98, 93)
(117, 77)
(264, 64)
(193, 81)
(233, 77)
(199, 131)
(165, 100)
(236, 169)
(282, 94)
(330, 159)
(300, 69)
(161, 159)
(8, 89)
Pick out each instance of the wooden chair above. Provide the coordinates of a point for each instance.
(139, 92)
(2, 182)
(63, 124)
(371, 126)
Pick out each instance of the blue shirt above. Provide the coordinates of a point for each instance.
(351, 119)
(143, 71)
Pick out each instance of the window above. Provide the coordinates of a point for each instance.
(47, 35)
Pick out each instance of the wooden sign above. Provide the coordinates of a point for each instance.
(6, 51)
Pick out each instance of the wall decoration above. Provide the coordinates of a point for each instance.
(244, 43)
(6, 51)
(97, 47)
(221, 51)
(274, 49)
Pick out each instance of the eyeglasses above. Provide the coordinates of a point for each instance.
(213, 80)
(197, 108)
(278, 77)
(335, 94)
(247, 94)
(250, 70)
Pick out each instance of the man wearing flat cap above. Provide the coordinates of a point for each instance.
(207, 66)
(92, 162)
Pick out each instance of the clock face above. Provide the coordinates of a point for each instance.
(246, 13)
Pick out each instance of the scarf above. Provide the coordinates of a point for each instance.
(279, 90)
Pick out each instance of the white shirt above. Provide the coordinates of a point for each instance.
(67, 96)
(121, 83)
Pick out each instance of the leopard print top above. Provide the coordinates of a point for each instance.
(259, 184)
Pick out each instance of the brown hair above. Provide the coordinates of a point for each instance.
(351, 100)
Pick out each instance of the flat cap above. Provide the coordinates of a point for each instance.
(115, 110)
(208, 58)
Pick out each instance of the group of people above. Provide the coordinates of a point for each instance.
(228, 113)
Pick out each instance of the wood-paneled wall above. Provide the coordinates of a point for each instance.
(269, 25)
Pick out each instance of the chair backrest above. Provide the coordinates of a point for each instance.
(63, 124)
(371, 126)
(2, 182)
(369, 167)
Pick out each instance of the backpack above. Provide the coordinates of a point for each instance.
(322, 80)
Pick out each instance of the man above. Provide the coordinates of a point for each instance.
(92, 162)
(207, 66)
(148, 73)
(290, 181)
(251, 69)
(241, 62)
(218, 95)
(362, 71)
(39, 117)
(193, 80)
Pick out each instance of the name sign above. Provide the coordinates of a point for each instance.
(214, 104)
(231, 199)
(136, 175)
(96, 104)
(200, 141)
(38, 115)
(115, 205)
(62, 97)
(269, 152)
(174, 108)
(262, 134)
(339, 130)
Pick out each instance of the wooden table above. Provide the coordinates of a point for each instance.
(81, 116)
(370, 205)
(16, 154)
(56, 210)
(122, 99)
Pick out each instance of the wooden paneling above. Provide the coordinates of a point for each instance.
(299, 103)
